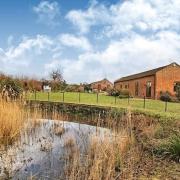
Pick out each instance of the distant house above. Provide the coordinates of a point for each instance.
(102, 85)
(46, 88)
(151, 83)
(81, 87)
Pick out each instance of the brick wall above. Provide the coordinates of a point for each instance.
(141, 86)
(165, 79)
(102, 85)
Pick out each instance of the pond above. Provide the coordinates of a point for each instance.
(40, 151)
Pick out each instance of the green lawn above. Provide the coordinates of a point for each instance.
(154, 106)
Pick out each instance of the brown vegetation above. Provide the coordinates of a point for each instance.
(102, 160)
(12, 118)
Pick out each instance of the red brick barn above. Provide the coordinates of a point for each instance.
(151, 83)
(102, 85)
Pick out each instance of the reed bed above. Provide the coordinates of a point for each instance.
(12, 119)
(102, 160)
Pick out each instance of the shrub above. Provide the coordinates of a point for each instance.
(165, 96)
(13, 83)
(170, 148)
(113, 92)
(174, 147)
(87, 88)
(72, 88)
(123, 93)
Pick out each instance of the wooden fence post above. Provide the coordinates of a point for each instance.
(166, 105)
(79, 97)
(35, 95)
(63, 96)
(25, 95)
(128, 99)
(144, 102)
(97, 99)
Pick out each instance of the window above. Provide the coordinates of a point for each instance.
(136, 88)
(121, 86)
(176, 86)
(126, 86)
(148, 89)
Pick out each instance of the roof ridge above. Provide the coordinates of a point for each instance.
(105, 79)
(143, 74)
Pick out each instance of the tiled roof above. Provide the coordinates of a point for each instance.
(142, 74)
(102, 81)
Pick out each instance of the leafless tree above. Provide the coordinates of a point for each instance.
(56, 75)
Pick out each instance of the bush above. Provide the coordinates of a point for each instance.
(170, 148)
(58, 86)
(13, 83)
(124, 93)
(165, 96)
(72, 88)
(87, 88)
(174, 147)
(113, 92)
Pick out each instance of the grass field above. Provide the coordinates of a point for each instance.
(156, 106)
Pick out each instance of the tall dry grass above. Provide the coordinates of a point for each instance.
(113, 157)
(102, 161)
(12, 118)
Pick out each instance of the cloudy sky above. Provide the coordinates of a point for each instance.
(88, 40)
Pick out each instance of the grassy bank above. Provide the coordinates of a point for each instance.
(155, 107)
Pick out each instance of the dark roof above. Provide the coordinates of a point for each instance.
(142, 74)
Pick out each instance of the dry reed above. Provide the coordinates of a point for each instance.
(12, 118)
(102, 160)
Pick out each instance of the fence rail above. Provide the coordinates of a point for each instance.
(101, 99)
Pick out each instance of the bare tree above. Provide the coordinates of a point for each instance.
(56, 75)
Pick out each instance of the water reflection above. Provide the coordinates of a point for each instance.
(40, 151)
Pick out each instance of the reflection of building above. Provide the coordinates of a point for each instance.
(151, 83)
(102, 85)
(46, 88)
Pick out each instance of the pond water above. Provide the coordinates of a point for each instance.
(40, 151)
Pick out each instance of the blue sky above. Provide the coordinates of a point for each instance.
(88, 40)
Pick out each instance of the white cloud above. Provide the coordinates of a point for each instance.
(126, 56)
(120, 57)
(79, 42)
(95, 14)
(127, 16)
(38, 44)
(21, 58)
(47, 12)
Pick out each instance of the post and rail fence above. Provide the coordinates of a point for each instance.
(79, 99)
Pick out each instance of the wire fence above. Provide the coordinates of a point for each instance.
(101, 99)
